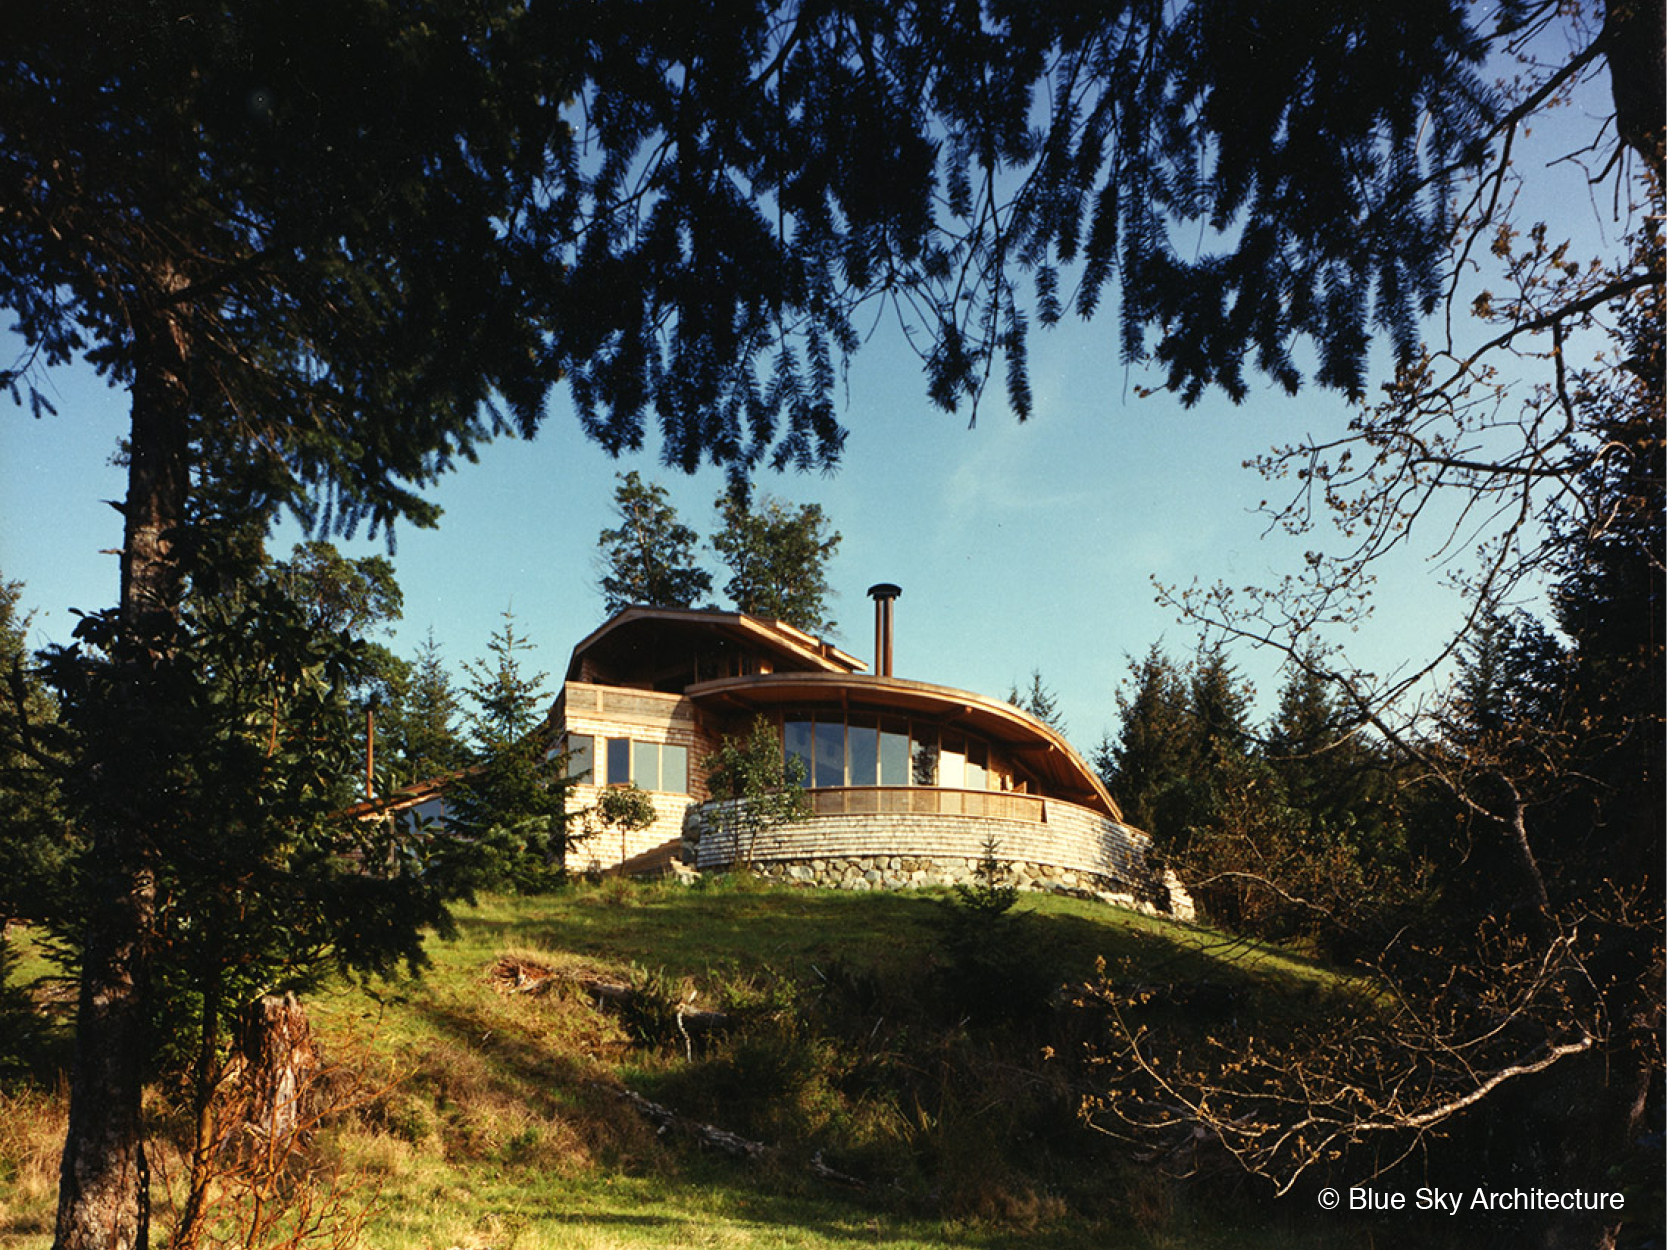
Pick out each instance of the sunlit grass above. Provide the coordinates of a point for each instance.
(481, 1119)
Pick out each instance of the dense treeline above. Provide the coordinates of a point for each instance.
(1486, 855)
(1290, 829)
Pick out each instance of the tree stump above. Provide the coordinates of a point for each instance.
(280, 1063)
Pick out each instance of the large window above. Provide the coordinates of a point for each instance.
(662, 766)
(862, 746)
(828, 753)
(868, 750)
(894, 751)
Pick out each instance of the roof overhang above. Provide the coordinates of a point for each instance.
(636, 629)
(1041, 749)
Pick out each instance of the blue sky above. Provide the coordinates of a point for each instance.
(1017, 546)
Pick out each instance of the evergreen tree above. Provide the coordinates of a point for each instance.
(509, 808)
(421, 725)
(359, 596)
(263, 695)
(778, 558)
(650, 558)
(1040, 702)
(1218, 704)
(1326, 767)
(36, 837)
(508, 702)
(1149, 759)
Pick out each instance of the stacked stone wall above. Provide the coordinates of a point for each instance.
(1073, 851)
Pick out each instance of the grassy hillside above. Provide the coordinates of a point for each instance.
(482, 1107)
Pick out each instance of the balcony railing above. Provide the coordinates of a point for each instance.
(927, 801)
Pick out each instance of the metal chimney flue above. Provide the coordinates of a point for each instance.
(883, 593)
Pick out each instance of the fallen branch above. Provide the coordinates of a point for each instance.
(521, 976)
(665, 1120)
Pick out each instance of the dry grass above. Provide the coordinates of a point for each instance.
(32, 1126)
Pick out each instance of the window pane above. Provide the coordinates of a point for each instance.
(952, 762)
(925, 755)
(864, 745)
(795, 741)
(581, 756)
(429, 816)
(674, 769)
(619, 761)
(894, 752)
(645, 765)
(830, 753)
(978, 755)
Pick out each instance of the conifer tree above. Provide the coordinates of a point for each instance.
(1149, 759)
(509, 807)
(36, 837)
(423, 724)
(1040, 702)
(650, 558)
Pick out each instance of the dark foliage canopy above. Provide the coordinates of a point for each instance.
(364, 220)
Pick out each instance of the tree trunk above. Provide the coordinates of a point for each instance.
(103, 1194)
(1633, 31)
(103, 1186)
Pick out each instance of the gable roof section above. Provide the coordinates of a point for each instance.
(638, 631)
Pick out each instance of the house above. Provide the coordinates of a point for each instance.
(909, 782)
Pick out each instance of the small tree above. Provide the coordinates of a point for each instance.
(510, 806)
(624, 808)
(650, 558)
(261, 880)
(778, 557)
(761, 788)
(992, 970)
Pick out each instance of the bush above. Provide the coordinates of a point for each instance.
(993, 971)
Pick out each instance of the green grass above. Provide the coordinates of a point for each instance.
(486, 1120)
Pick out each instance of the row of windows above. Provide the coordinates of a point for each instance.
(662, 766)
(839, 750)
(858, 750)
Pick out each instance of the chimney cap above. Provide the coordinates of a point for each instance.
(884, 590)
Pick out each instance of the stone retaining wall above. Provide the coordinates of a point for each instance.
(1072, 851)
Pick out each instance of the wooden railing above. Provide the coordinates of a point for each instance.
(927, 800)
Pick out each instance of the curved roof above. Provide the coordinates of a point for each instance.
(1041, 749)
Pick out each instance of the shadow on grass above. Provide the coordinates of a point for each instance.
(513, 1054)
